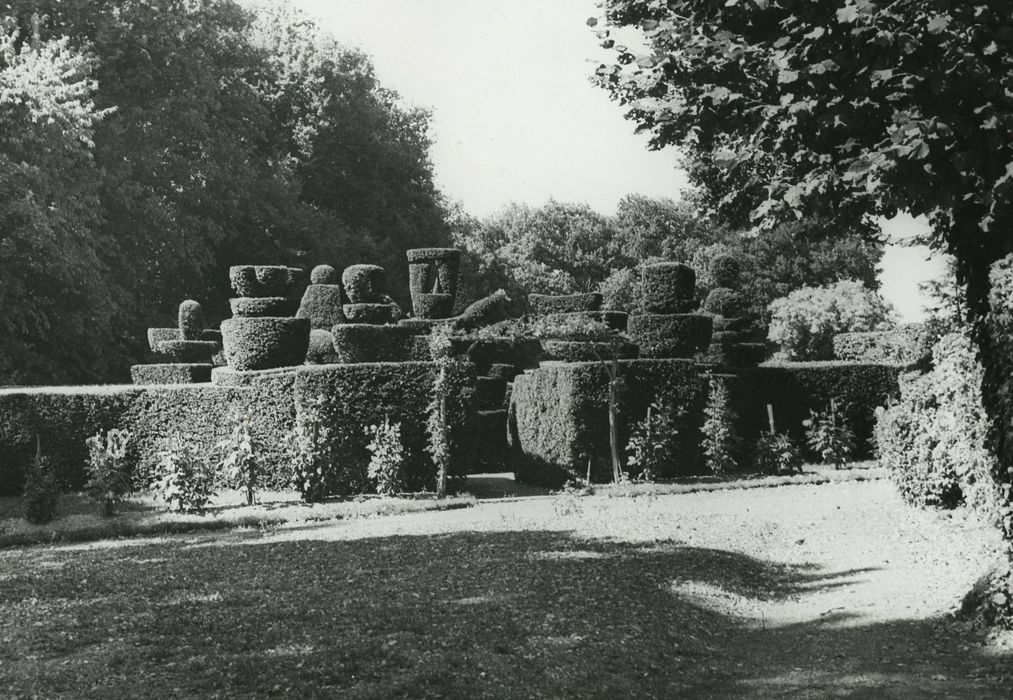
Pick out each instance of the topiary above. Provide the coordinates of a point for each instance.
(377, 313)
(360, 342)
(186, 351)
(724, 302)
(432, 306)
(263, 306)
(364, 284)
(668, 288)
(191, 320)
(263, 280)
(725, 271)
(323, 274)
(562, 303)
(670, 335)
(265, 343)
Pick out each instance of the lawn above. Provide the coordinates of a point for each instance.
(794, 591)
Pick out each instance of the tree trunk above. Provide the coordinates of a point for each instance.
(614, 420)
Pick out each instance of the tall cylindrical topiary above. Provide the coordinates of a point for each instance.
(191, 320)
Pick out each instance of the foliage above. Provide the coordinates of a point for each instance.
(719, 436)
(829, 435)
(777, 453)
(184, 481)
(803, 324)
(108, 480)
(308, 450)
(620, 290)
(650, 444)
(933, 439)
(905, 344)
(42, 491)
(240, 460)
(570, 327)
(386, 456)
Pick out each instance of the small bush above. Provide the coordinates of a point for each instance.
(307, 448)
(803, 324)
(191, 320)
(386, 456)
(620, 291)
(907, 344)
(240, 459)
(776, 453)
(829, 435)
(184, 481)
(719, 438)
(108, 480)
(42, 492)
(724, 302)
(725, 271)
(651, 443)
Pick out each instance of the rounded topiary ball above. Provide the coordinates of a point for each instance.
(191, 320)
(364, 284)
(725, 271)
(324, 274)
(724, 302)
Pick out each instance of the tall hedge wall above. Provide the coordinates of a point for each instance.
(559, 416)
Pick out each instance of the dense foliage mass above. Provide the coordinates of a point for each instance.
(148, 145)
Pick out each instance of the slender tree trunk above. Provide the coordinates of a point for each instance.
(614, 419)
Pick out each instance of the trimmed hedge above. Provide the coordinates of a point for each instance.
(321, 304)
(616, 320)
(321, 348)
(190, 320)
(668, 288)
(733, 323)
(725, 271)
(564, 303)
(742, 336)
(265, 343)
(424, 262)
(157, 335)
(793, 388)
(585, 351)
(737, 354)
(906, 345)
(362, 342)
(521, 352)
(324, 274)
(432, 306)
(375, 313)
(364, 284)
(484, 312)
(171, 373)
(423, 326)
(263, 306)
(504, 371)
(493, 450)
(724, 302)
(559, 416)
(490, 393)
(420, 255)
(670, 335)
(263, 280)
(185, 351)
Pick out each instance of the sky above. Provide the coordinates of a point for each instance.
(516, 119)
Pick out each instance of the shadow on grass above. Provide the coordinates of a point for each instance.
(504, 614)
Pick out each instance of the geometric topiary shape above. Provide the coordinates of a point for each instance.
(263, 306)
(263, 280)
(191, 320)
(174, 373)
(670, 335)
(724, 302)
(265, 343)
(725, 271)
(186, 350)
(432, 306)
(323, 274)
(668, 288)
(321, 348)
(564, 303)
(433, 270)
(375, 313)
(364, 284)
(321, 304)
(361, 342)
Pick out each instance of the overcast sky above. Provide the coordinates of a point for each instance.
(515, 117)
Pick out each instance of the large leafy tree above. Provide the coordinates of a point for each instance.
(849, 109)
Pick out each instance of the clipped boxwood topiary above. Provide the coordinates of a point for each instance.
(321, 349)
(490, 393)
(362, 342)
(584, 351)
(265, 342)
(670, 335)
(908, 344)
(263, 280)
(507, 372)
(484, 312)
(564, 303)
(263, 306)
(743, 336)
(321, 304)
(418, 255)
(176, 373)
(364, 284)
(738, 354)
(157, 335)
(191, 320)
(733, 323)
(376, 314)
(323, 274)
(485, 352)
(212, 334)
(725, 271)
(424, 263)
(432, 306)
(423, 326)
(186, 350)
(724, 302)
(616, 320)
(668, 288)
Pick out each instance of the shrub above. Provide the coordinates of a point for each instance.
(670, 335)
(307, 449)
(376, 313)
(830, 436)
(725, 271)
(934, 438)
(265, 343)
(263, 280)
(324, 274)
(171, 373)
(724, 302)
(563, 303)
(587, 351)
(364, 284)
(254, 307)
(321, 304)
(569, 326)
(484, 312)
(191, 320)
(321, 348)
(186, 351)
(362, 342)
(719, 438)
(614, 320)
(157, 335)
(907, 344)
(668, 288)
(803, 324)
(432, 305)
(184, 481)
(386, 456)
(42, 491)
(239, 460)
(651, 443)
(777, 453)
(620, 291)
(108, 480)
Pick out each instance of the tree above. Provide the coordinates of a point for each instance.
(846, 109)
